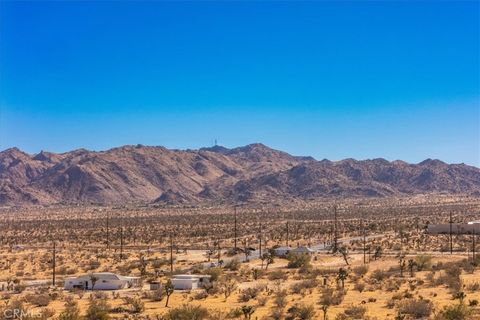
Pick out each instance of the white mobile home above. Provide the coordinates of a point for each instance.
(303, 250)
(189, 281)
(102, 281)
(457, 228)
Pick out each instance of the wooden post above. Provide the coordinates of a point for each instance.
(235, 229)
(364, 241)
(121, 243)
(108, 232)
(473, 244)
(171, 253)
(287, 233)
(54, 263)
(335, 239)
(451, 236)
(260, 244)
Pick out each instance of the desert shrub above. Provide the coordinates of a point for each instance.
(187, 312)
(233, 264)
(39, 300)
(359, 286)
(417, 308)
(391, 285)
(301, 312)
(277, 275)
(234, 313)
(97, 309)
(330, 296)
(451, 278)
(135, 305)
(262, 301)
(250, 293)
(71, 312)
(360, 271)
(155, 295)
(352, 312)
(200, 295)
(298, 260)
(214, 273)
(379, 275)
(423, 262)
(473, 286)
(300, 286)
(454, 312)
(473, 303)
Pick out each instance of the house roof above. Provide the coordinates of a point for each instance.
(283, 248)
(303, 249)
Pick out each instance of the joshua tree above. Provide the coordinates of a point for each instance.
(324, 309)
(93, 279)
(411, 265)
(246, 249)
(343, 251)
(460, 296)
(342, 276)
(402, 264)
(268, 257)
(248, 311)
(378, 253)
(228, 286)
(168, 291)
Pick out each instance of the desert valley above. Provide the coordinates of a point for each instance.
(142, 232)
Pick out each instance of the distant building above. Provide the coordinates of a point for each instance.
(282, 251)
(303, 250)
(104, 281)
(189, 281)
(457, 228)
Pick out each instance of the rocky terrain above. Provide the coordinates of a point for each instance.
(141, 174)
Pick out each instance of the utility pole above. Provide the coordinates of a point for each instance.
(335, 239)
(260, 244)
(473, 244)
(364, 240)
(287, 233)
(451, 237)
(171, 252)
(218, 249)
(108, 232)
(121, 243)
(54, 262)
(235, 229)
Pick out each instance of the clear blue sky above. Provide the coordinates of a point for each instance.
(398, 80)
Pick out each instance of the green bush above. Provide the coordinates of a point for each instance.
(298, 260)
(187, 312)
(454, 312)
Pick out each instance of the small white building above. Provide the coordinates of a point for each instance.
(282, 251)
(189, 281)
(303, 250)
(104, 281)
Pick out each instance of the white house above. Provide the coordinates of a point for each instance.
(189, 281)
(457, 228)
(104, 281)
(303, 250)
(282, 251)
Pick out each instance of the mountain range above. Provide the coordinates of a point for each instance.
(253, 173)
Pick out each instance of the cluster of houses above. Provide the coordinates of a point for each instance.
(112, 281)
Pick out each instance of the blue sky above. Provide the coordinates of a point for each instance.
(398, 80)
